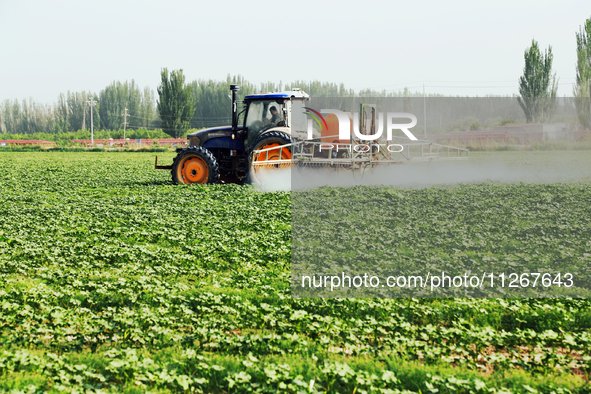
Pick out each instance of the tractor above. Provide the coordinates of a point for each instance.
(271, 131)
(226, 154)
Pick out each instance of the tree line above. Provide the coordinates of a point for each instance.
(71, 112)
(207, 102)
(210, 106)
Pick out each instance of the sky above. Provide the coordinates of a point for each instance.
(454, 47)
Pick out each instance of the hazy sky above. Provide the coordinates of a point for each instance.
(455, 47)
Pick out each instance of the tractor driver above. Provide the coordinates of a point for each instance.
(275, 118)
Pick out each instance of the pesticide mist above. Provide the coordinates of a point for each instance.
(509, 167)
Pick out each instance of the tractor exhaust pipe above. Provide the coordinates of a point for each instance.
(234, 89)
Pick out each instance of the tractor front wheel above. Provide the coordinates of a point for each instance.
(195, 164)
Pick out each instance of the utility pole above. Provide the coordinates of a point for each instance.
(124, 122)
(91, 104)
(425, 109)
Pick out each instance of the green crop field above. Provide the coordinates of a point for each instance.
(115, 280)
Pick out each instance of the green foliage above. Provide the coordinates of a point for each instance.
(118, 96)
(212, 105)
(176, 105)
(213, 102)
(71, 113)
(582, 88)
(455, 230)
(127, 369)
(506, 121)
(538, 85)
(114, 279)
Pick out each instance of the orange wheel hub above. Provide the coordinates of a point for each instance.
(274, 153)
(193, 169)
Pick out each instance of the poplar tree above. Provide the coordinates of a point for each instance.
(538, 85)
(176, 104)
(582, 88)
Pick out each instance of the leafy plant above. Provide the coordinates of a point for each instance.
(115, 280)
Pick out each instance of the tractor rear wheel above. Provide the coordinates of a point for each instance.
(264, 160)
(195, 164)
(270, 140)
